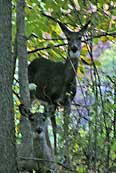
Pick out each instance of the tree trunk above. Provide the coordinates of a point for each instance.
(7, 125)
(23, 74)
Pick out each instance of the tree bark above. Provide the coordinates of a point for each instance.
(7, 125)
(23, 71)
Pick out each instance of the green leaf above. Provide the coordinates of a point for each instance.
(113, 147)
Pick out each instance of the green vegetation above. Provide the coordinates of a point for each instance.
(91, 135)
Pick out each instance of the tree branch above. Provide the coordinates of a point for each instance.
(44, 48)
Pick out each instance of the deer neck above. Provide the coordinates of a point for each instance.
(72, 62)
(71, 65)
(38, 145)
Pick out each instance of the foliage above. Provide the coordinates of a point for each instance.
(91, 134)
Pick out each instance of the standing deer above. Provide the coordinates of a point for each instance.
(56, 81)
(38, 153)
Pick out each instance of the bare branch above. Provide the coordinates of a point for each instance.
(44, 48)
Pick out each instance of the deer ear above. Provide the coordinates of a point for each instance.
(83, 29)
(65, 30)
(24, 111)
(62, 26)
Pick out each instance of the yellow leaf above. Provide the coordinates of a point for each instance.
(86, 47)
(80, 71)
(18, 102)
(103, 39)
(86, 61)
(17, 130)
(18, 116)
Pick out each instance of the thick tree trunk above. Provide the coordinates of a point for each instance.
(7, 125)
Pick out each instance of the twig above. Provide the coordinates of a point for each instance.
(17, 95)
(105, 34)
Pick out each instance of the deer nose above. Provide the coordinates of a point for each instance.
(74, 48)
(39, 130)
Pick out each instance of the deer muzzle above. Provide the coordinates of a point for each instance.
(75, 54)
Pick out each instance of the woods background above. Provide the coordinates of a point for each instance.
(90, 140)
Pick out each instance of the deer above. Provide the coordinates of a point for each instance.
(39, 153)
(55, 82)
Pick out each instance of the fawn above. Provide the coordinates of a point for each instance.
(39, 153)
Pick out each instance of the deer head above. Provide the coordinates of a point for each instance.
(38, 120)
(74, 38)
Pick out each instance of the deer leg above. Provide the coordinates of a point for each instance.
(53, 122)
(50, 109)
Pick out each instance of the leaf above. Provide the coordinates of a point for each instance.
(76, 147)
(18, 116)
(86, 61)
(97, 63)
(104, 39)
(113, 147)
(17, 130)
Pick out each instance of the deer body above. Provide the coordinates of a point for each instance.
(53, 79)
(25, 150)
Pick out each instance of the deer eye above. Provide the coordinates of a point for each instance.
(44, 118)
